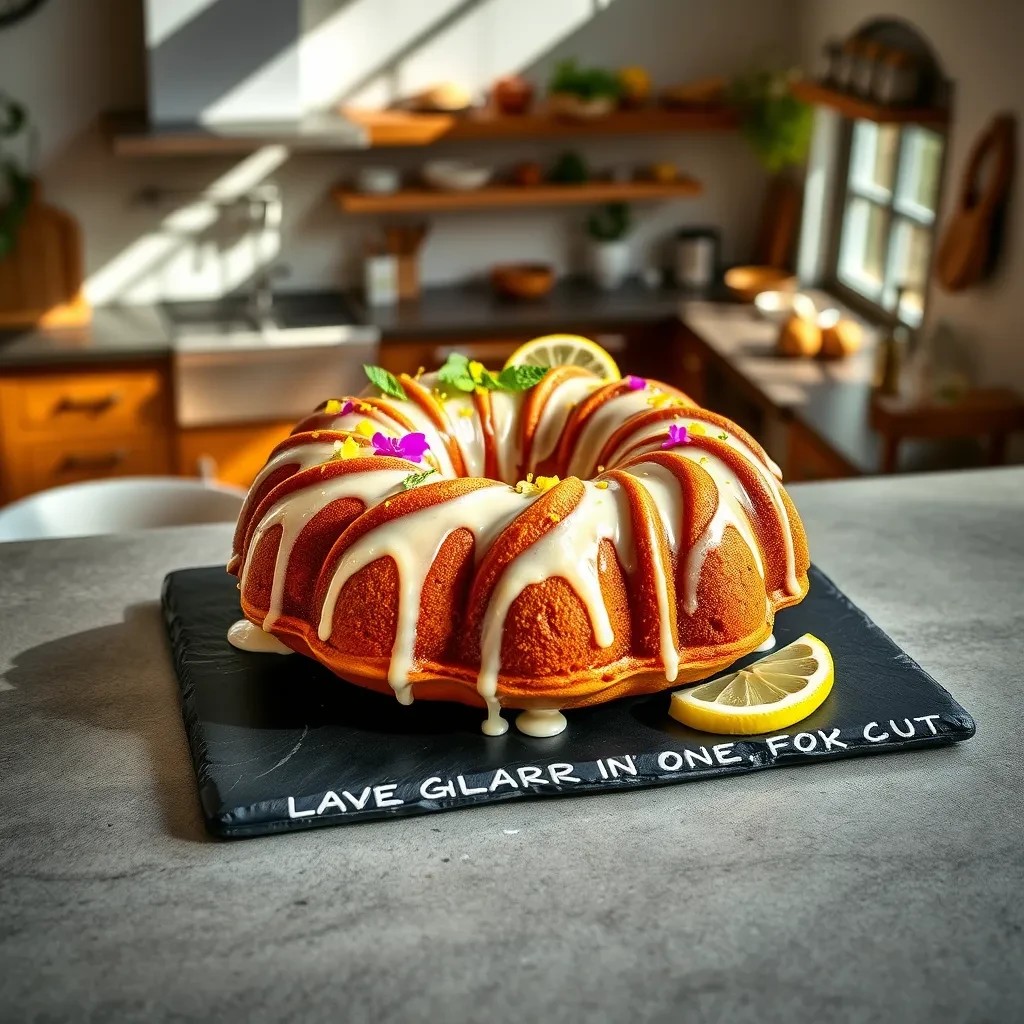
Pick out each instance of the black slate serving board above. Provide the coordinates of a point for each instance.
(279, 743)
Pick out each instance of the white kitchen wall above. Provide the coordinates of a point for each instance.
(979, 46)
(73, 60)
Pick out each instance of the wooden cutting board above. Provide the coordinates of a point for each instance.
(41, 280)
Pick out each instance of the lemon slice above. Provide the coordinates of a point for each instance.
(768, 695)
(566, 350)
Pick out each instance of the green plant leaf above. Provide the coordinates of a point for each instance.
(520, 378)
(387, 382)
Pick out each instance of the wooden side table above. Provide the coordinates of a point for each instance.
(992, 413)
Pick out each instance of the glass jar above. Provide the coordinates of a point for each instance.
(831, 63)
(865, 69)
(849, 54)
(898, 79)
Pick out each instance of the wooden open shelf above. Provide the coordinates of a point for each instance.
(865, 110)
(130, 135)
(403, 128)
(423, 200)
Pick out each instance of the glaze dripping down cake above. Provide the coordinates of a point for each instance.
(539, 547)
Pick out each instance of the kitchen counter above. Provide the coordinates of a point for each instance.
(572, 305)
(117, 334)
(875, 888)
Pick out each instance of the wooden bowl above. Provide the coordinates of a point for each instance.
(522, 280)
(747, 282)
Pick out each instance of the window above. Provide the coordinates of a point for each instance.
(888, 216)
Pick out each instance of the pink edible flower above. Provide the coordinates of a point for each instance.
(409, 446)
(677, 435)
(635, 383)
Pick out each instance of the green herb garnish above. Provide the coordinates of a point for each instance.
(415, 479)
(387, 382)
(468, 375)
(723, 437)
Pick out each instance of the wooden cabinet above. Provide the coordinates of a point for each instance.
(230, 455)
(62, 427)
(808, 458)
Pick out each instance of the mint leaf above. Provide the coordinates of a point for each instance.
(456, 372)
(387, 382)
(489, 381)
(520, 378)
(415, 479)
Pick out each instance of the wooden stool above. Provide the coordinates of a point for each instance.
(994, 413)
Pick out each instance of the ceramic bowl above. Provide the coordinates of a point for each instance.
(747, 282)
(522, 280)
(456, 175)
(778, 306)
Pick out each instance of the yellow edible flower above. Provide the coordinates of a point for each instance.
(602, 484)
(366, 428)
(333, 407)
(476, 370)
(467, 411)
(698, 428)
(656, 401)
(347, 449)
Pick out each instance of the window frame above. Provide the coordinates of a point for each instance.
(845, 189)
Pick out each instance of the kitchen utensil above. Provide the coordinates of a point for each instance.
(745, 282)
(696, 257)
(970, 242)
(779, 306)
(41, 280)
(456, 175)
(404, 241)
(522, 280)
(378, 180)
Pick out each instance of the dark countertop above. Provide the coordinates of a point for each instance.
(871, 888)
(116, 334)
(144, 332)
(474, 309)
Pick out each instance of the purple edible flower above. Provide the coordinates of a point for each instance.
(409, 446)
(635, 383)
(677, 435)
(347, 407)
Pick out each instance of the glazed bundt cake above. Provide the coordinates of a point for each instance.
(539, 540)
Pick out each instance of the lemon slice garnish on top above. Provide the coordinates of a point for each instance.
(566, 350)
(771, 694)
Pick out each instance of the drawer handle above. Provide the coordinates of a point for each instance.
(91, 406)
(92, 463)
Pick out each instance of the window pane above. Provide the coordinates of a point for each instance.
(920, 164)
(873, 158)
(862, 247)
(911, 256)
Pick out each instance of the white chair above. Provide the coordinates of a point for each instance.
(118, 505)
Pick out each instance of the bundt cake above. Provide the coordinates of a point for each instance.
(534, 539)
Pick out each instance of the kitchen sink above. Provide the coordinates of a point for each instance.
(231, 366)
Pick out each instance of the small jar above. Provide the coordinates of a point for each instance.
(865, 69)
(849, 55)
(831, 63)
(898, 79)
(380, 279)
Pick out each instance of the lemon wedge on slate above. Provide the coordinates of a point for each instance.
(771, 694)
(566, 350)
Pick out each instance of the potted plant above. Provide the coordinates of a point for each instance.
(583, 93)
(775, 123)
(609, 252)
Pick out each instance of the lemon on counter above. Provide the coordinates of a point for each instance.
(771, 694)
(566, 350)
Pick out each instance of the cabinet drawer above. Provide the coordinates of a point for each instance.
(79, 404)
(43, 464)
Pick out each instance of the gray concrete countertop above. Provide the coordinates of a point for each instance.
(879, 888)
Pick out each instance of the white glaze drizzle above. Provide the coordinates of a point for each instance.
(601, 424)
(297, 508)
(563, 399)
(413, 541)
(247, 636)
(541, 722)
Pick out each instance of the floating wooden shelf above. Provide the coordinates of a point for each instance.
(403, 128)
(131, 135)
(865, 110)
(422, 200)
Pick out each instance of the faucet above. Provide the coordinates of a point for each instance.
(264, 209)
